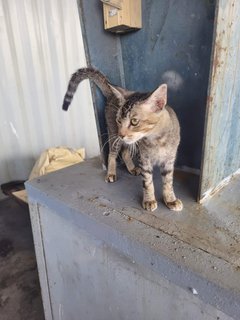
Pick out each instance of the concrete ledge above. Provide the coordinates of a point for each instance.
(159, 241)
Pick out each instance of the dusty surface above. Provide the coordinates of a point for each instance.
(195, 248)
(213, 226)
(19, 286)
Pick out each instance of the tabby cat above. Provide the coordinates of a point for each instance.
(142, 120)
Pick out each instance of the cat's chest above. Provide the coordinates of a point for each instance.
(156, 152)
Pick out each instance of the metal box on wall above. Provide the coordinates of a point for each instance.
(122, 15)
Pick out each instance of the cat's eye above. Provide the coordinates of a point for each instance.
(134, 121)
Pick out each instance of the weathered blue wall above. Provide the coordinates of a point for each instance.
(174, 46)
(222, 135)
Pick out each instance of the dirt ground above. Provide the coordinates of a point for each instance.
(20, 297)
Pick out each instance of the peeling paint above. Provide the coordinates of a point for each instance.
(211, 192)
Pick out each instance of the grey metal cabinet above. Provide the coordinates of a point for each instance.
(100, 256)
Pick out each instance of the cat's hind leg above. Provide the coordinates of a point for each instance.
(129, 162)
(149, 201)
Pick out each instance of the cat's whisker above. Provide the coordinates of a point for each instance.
(108, 141)
(104, 134)
(129, 147)
(131, 150)
(116, 143)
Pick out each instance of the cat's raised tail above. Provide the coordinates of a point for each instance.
(81, 74)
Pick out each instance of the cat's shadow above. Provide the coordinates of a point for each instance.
(185, 184)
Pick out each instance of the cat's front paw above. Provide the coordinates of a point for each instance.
(111, 178)
(149, 205)
(175, 205)
(136, 171)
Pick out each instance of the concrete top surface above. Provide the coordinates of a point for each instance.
(197, 248)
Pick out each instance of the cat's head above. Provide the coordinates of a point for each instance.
(140, 113)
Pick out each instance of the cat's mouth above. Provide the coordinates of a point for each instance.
(129, 141)
(132, 139)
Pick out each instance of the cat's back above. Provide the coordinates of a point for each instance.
(175, 126)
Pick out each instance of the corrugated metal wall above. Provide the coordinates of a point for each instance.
(41, 45)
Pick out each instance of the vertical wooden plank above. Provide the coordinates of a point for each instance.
(221, 156)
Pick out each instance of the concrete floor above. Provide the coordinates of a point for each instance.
(20, 297)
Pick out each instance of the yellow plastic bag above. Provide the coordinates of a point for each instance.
(56, 158)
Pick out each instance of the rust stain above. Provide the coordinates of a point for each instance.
(218, 59)
(209, 99)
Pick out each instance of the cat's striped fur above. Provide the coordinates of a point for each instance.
(138, 120)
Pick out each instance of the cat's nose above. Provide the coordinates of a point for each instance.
(122, 133)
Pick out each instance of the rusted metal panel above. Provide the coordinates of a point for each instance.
(221, 157)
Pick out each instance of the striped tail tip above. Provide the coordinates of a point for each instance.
(65, 105)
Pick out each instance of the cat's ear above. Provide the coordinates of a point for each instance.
(117, 94)
(158, 98)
